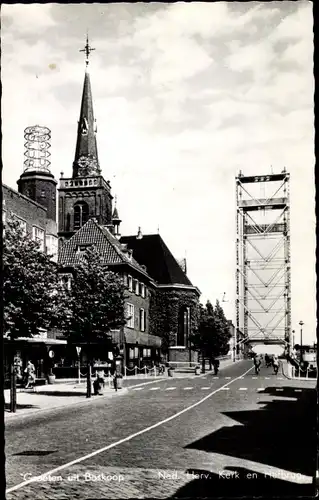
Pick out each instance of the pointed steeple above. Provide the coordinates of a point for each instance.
(86, 161)
(116, 220)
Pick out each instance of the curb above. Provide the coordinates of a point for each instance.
(68, 405)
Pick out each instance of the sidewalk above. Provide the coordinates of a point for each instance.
(68, 392)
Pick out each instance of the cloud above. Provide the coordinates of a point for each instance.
(27, 19)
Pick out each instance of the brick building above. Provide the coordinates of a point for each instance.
(33, 218)
(170, 305)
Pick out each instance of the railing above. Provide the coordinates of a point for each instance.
(305, 372)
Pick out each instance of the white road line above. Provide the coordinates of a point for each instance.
(297, 390)
(224, 388)
(255, 377)
(188, 388)
(154, 388)
(279, 390)
(261, 389)
(204, 388)
(170, 388)
(227, 377)
(137, 388)
(243, 388)
(117, 443)
(280, 378)
(267, 378)
(215, 378)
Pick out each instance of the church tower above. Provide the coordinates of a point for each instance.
(86, 194)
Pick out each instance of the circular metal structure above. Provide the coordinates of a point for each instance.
(37, 148)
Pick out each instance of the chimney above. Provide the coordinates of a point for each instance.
(139, 234)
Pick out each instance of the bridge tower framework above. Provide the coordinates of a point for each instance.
(263, 268)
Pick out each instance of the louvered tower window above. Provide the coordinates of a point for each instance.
(81, 214)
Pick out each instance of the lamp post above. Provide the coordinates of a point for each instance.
(301, 323)
(293, 338)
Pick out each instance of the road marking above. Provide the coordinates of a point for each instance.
(255, 377)
(280, 378)
(227, 377)
(204, 388)
(267, 378)
(215, 378)
(117, 443)
(241, 378)
(188, 388)
(170, 388)
(224, 388)
(298, 390)
(243, 388)
(137, 388)
(261, 389)
(279, 389)
(154, 388)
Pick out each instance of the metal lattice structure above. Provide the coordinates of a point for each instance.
(263, 281)
(37, 148)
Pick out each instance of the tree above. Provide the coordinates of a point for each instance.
(212, 336)
(31, 290)
(95, 305)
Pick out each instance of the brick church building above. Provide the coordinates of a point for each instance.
(161, 302)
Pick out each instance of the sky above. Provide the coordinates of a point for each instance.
(185, 96)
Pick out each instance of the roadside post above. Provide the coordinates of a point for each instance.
(78, 350)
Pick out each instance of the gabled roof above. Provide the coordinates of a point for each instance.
(105, 243)
(161, 265)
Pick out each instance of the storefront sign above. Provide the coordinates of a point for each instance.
(51, 354)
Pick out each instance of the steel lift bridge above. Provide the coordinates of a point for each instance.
(263, 290)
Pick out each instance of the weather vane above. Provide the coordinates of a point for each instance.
(87, 49)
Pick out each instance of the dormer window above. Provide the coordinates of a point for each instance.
(81, 249)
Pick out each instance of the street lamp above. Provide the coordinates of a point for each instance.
(293, 338)
(301, 323)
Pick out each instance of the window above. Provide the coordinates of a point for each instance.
(52, 246)
(42, 193)
(81, 214)
(38, 235)
(183, 326)
(142, 319)
(125, 280)
(130, 283)
(66, 281)
(131, 353)
(142, 290)
(130, 315)
(23, 225)
(136, 287)
(136, 353)
(146, 353)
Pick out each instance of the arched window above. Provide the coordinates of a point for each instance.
(183, 326)
(81, 214)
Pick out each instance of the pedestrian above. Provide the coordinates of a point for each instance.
(216, 364)
(115, 379)
(30, 374)
(267, 360)
(275, 364)
(99, 383)
(257, 363)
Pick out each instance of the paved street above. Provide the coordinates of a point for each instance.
(236, 434)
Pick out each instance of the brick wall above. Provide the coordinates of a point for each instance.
(40, 187)
(138, 302)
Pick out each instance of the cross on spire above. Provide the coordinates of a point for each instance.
(87, 49)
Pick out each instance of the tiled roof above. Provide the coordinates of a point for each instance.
(105, 243)
(161, 265)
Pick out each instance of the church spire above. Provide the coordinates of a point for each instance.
(86, 161)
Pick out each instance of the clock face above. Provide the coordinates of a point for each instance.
(87, 166)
